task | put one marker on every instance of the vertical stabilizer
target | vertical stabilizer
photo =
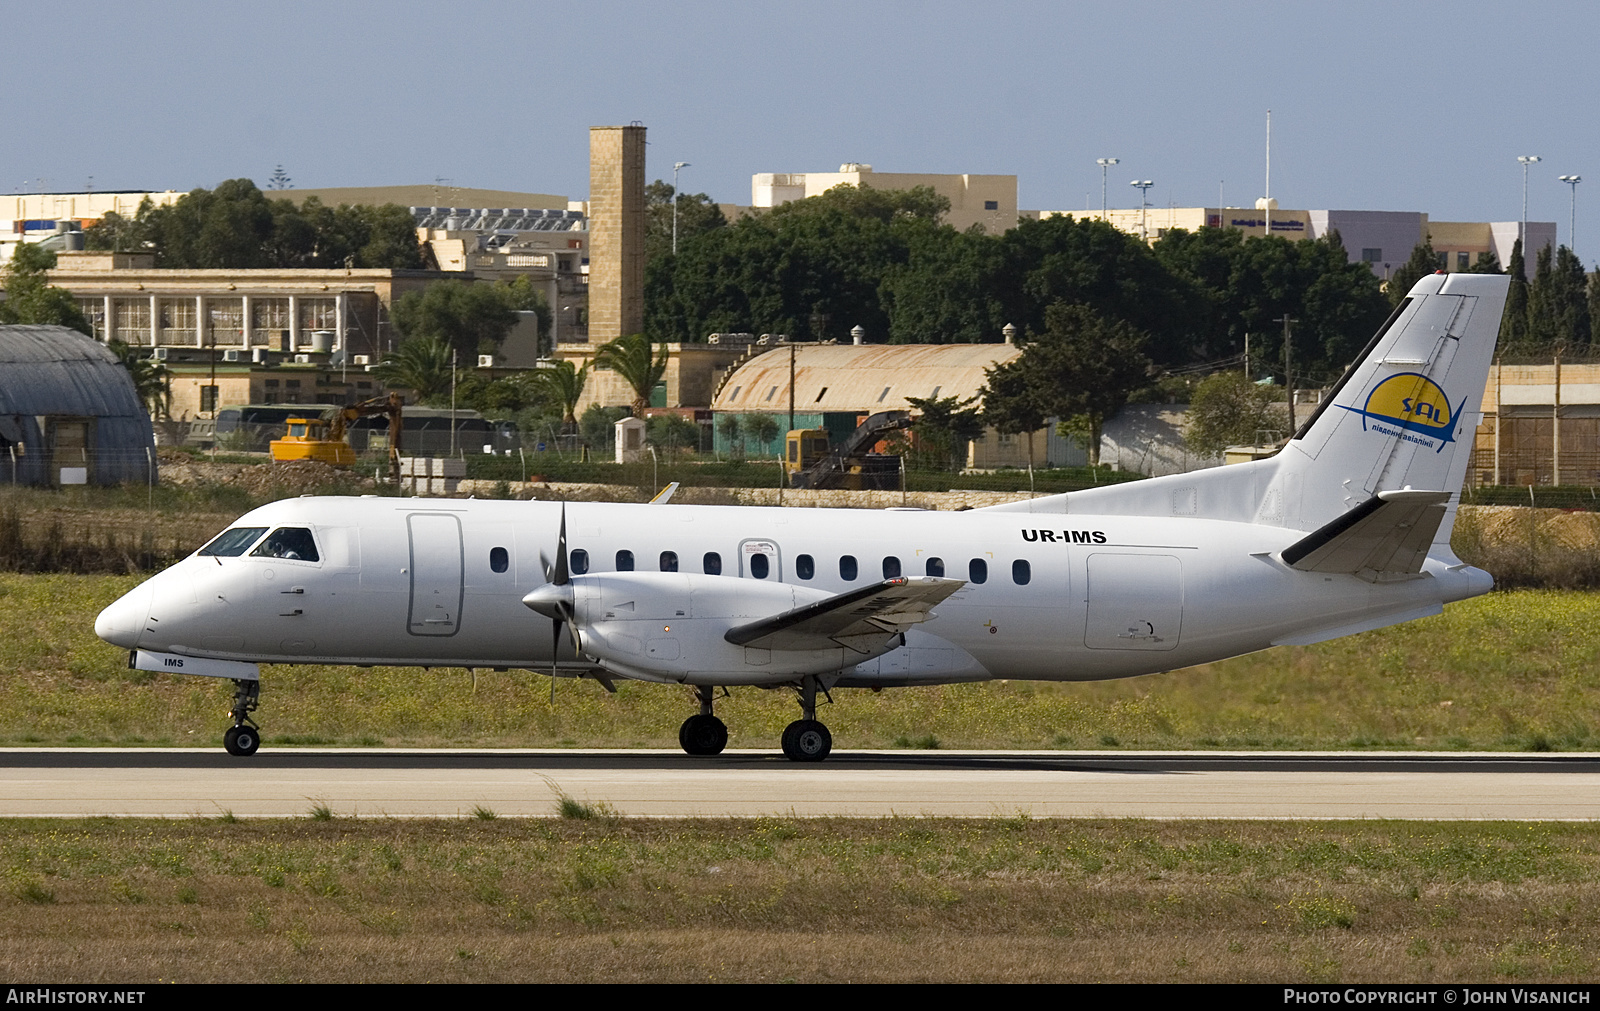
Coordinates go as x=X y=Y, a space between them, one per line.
x=1404 y=416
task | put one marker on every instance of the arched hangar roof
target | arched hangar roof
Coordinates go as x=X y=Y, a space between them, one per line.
x=859 y=377
x=49 y=372
x=55 y=370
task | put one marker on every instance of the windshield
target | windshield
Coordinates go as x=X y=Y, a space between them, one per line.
x=233 y=543
x=288 y=542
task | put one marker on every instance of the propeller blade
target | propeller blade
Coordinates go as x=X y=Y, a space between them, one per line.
x=561 y=575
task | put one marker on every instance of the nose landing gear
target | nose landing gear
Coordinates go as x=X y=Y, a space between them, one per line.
x=244 y=737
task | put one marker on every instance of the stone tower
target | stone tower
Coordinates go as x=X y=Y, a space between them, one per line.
x=616 y=232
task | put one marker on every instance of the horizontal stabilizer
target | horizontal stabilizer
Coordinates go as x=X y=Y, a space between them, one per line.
x=885 y=608
x=1388 y=533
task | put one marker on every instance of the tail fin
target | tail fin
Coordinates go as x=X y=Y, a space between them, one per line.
x=1404 y=416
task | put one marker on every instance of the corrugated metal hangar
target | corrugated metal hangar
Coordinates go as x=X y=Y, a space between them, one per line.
x=69 y=413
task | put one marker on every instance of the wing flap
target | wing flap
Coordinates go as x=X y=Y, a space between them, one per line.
x=1389 y=533
x=886 y=608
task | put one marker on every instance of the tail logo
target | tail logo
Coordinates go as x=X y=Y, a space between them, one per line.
x=1410 y=403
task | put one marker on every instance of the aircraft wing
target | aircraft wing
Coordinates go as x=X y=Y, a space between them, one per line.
x=885 y=608
x=1389 y=534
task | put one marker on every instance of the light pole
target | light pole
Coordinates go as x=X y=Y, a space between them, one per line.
x=1143 y=186
x=1526 y=160
x=1572 y=226
x=676 y=166
x=1104 y=164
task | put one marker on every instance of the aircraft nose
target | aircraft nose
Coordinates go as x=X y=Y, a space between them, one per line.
x=121 y=623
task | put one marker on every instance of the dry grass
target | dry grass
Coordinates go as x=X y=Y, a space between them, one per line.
x=614 y=900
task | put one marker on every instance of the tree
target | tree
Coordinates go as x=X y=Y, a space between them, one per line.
x=1558 y=300
x=563 y=384
x=812 y=267
x=1247 y=284
x=1229 y=409
x=944 y=427
x=521 y=296
x=762 y=429
x=152 y=380
x=31 y=298
x=472 y=318
x=1486 y=263
x=1514 y=323
x=636 y=360
x=673 y=433
x=419 y=364
x=1082 y=364
x=1423 y=261
x=1013 y=402
x=598 y=428
x=696 y=214
x=237 y=226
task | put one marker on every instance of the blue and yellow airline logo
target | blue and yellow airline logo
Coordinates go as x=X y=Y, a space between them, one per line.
x=1410 y=402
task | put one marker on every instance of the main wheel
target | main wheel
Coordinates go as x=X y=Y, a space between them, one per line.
x=241 y=741
x=703 y=734
x=806 y=741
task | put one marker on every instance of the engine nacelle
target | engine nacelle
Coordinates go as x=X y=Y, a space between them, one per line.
x=669 y=626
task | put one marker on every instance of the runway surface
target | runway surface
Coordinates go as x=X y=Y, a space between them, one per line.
x=172 y=783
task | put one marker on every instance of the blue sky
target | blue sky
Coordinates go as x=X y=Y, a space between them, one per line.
x=1419 y=106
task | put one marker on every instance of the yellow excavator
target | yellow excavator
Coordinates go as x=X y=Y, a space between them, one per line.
x=323 y=439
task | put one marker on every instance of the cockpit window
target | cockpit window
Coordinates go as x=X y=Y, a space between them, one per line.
x=233 y=543
x=288 y=542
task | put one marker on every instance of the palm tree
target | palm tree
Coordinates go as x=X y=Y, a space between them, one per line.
x=563 y=383
x=421 y=364
x=152 y=381
x=634 y=359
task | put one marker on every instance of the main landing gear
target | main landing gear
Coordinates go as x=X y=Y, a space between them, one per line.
x=244 y=737
x=703 y=733
x=804 y=740
x=807 y=739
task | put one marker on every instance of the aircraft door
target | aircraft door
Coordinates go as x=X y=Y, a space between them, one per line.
x=759 y=559
x=436 y=574
x=1135 y=602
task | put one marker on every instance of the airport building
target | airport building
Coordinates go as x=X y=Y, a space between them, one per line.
x=986 y=200
x=1381 y=239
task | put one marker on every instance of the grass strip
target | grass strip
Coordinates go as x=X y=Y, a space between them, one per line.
x=607 y=899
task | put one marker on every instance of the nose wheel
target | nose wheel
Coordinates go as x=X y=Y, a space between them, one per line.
x=244 y=737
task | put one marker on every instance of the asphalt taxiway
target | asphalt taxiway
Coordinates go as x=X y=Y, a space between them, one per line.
x=174 y=783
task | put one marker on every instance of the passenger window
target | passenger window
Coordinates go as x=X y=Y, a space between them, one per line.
x=579 y=562
x=935 y=567
x=712 y=563
x=847 y=567
x=805 y=566
x=499 y=559
x=758 y=565
x=1021 y=572
x=233 y=543
x=977 y=571
x=891 y=567
x=292 y=543
x=624 y=560
x=669 y=561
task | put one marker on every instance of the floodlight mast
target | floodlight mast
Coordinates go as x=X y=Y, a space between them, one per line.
x=1143 y=186
x=1104 y=164
x=677 y=166
x=1522 y=233
x=1572 y=225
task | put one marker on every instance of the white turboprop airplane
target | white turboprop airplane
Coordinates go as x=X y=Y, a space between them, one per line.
x=1346 y=529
